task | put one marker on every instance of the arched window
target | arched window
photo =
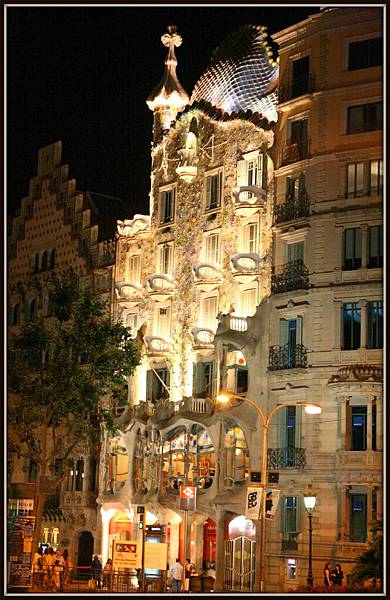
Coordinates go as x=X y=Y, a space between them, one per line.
x=16 y=315
x=79 y=475
x=33 y=309
x=53 y=259
x=44 y=261
x=92 y=474
x=71 y=477
x=236 y=456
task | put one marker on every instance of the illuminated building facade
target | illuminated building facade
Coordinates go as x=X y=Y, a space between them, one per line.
x=259 y=271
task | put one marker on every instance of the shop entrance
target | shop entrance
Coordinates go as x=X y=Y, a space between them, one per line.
x=85 y=551
x=240 y=555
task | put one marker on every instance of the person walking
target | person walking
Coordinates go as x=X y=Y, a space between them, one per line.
x=37 y=568
x=107 y=574
x=327 y=578
x=96 y=571
x=188 y=569
x=337 y=575
x=177 y=571
x=48 y=561
x=67 y=567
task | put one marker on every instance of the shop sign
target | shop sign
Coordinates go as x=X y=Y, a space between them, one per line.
x=253 y=502
x=187 y=497
x=271 y=503
x=156 y=555
x=126 y=556
x=20 y=536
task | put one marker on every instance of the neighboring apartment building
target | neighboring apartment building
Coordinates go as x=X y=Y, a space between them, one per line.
x=58 y=228
x=259 y=270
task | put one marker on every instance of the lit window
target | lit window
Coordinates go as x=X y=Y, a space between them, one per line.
x=352 y=249
x=291 y=568
x=355 y=180
x=375 y=247
x=132 y=322
x=209 y=309
x=251 y=238
x=135 y=269
x=165 y=259
x=163 y=325
x=212 y=248
x=376 y=177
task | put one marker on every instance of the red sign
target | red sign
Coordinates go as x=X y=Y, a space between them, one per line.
x=187 y=497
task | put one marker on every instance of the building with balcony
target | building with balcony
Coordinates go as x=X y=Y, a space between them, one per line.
x=260 y=273
x=57 y=228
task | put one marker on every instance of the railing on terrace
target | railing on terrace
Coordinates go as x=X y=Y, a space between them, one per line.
x=238 y=323
x=294 y=151
x=297 y=87
x=291 y=276
x=287 y=357
x=286 y=458
x=292 y=208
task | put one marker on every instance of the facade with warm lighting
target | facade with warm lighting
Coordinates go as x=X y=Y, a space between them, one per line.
x=259 y=271
x=58 y=228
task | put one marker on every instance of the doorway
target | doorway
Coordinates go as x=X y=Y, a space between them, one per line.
x=85 y=553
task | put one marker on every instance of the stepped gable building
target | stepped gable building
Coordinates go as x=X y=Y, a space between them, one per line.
x=258 y=271
x=57 y=228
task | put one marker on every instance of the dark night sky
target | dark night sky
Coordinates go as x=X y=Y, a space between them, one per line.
x=82 y=75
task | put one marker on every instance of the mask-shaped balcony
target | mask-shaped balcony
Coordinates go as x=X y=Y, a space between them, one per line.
x=203 y=337
x=130 y=227
x=160 y=286
x=195 y=407
x=158 y=346
x=126 y=290
x=207 y=275
x=248 y=199
x=246 y=266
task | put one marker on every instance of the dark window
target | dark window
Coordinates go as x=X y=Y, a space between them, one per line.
x=16 y=315
x=364 y=117
x=375 y=247
x=300 y=76
x=376 y=177
x=44 y=261
x=290 y=426
x=79 y=475
x=71 y=477
x=352 y=249
x=36 y=263
x=295 y=186
x=299 y=132
x=167 y=206
x=358 y=427
x=33 y=309
x=366 y=53
x=290 y=514
x=92 y=474
x=53 y=259
x=32 y=470
x=242 y=381
x=358 y=517
x=375 y=324
x=213 y=191
x=374 y=505
x=351 y=326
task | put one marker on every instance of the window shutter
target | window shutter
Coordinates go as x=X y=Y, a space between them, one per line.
x=208 y=191
x=282 y=514
x=214 y=379
x=195 y=388
x=259 y=174
x=300 y=511
x=301 y=183
x=299 y=330
x=219 y=195
x=281 y=431
x=283 y=332
x=289 y=186
x=263 y=179
x=242 y=173
x=149 y=385
x=298 y=426
x=358 y=243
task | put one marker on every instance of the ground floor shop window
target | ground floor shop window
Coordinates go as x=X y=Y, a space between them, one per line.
x=291 y=568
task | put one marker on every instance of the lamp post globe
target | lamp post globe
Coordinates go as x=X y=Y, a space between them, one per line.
x=309 y=500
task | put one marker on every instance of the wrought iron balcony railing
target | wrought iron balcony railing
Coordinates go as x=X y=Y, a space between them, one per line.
x=292 y=208
x=291 y=276
x=296 y=88
x=286 y=458
x=287 y=357
x=294 y=151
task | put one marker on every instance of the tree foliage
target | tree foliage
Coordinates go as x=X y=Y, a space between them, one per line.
x=369 y=565
x=64 y=372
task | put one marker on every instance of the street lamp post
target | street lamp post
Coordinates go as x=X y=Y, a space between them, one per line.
x=310 y=408
x=310 y=503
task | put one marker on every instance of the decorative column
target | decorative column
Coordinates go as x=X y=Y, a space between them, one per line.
x=220 y=551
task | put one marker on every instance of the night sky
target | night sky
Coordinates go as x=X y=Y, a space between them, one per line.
x=82 y=75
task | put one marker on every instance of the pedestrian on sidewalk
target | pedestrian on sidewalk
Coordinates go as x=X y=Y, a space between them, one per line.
x=176 y=572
